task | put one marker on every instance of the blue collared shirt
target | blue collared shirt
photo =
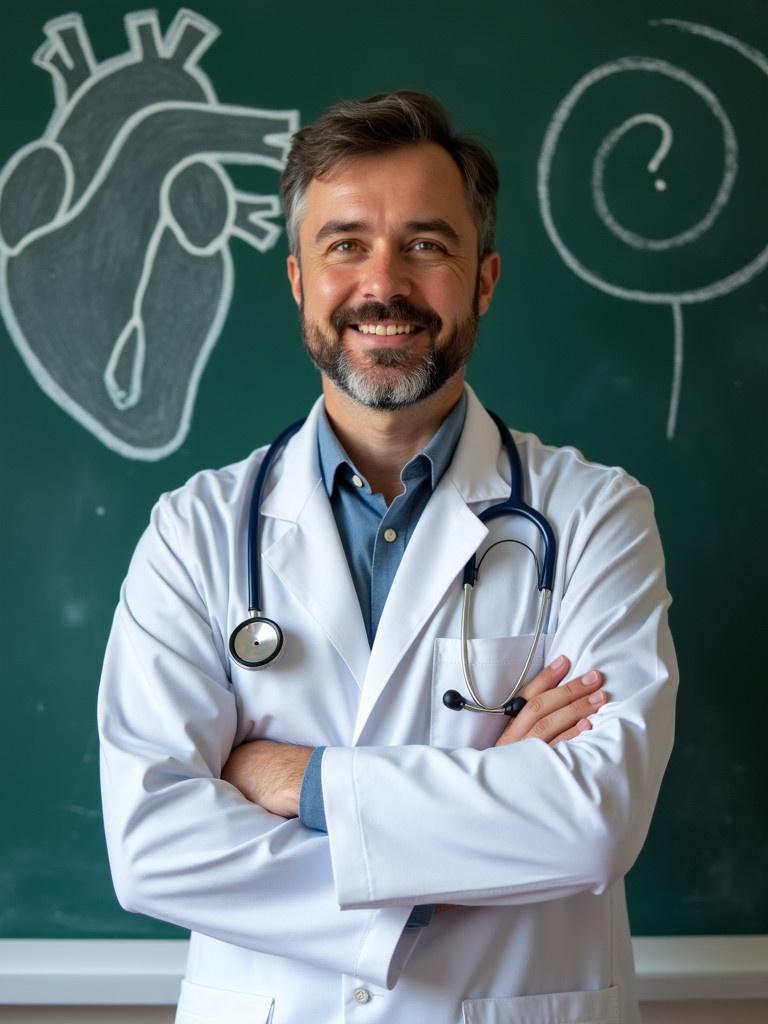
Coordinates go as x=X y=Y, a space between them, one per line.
x=374 y=537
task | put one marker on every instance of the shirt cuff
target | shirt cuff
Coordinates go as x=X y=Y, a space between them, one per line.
x=420 y=916
x=311 y=805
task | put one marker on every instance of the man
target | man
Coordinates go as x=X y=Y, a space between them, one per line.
x=518 y=830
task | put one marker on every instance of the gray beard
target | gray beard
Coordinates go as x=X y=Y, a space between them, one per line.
x=419 y=375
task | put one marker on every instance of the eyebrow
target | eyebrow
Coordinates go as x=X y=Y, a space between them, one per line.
x=340 y=227
x=438 y=226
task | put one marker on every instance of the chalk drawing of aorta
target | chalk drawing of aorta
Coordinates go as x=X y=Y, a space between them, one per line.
x=603 y=277
x=115 y=269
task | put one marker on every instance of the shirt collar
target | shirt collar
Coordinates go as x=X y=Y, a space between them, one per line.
x=438 y=451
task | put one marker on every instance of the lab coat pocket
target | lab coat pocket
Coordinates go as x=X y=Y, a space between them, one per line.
x=199 y=1004
x=599 y=1007
x=495 y=664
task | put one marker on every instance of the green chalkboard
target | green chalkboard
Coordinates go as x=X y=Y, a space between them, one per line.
x=632 y=322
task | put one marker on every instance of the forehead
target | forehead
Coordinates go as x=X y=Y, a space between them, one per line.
x=411 y=183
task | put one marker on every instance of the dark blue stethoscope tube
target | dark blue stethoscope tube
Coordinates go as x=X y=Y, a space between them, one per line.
x=515 y=505
x=254 y=555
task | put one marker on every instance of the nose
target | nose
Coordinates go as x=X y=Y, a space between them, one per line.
x=385 y=276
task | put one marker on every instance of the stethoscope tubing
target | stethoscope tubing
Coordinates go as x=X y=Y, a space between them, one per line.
x=254 y=555
x=497 y=709
x=266 y=635
x=257 y=641
x=514 y=505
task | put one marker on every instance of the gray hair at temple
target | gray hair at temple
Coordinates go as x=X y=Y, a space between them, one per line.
x=387 y=121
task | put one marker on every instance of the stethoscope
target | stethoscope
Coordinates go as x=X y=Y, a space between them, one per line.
x=257 y=641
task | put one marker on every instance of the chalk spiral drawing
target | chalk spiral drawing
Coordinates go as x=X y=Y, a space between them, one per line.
x=676 y=300
x=115 y=270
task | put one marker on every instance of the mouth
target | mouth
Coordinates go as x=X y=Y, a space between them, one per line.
x=387 y=330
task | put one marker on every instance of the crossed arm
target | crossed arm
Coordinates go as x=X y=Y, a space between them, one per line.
x=270 y=774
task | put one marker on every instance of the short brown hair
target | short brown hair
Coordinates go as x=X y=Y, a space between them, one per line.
x=381 y=122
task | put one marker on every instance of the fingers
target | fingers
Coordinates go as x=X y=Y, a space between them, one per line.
x=561 y=710
x=578 y=690
x=581 y=726
x=548 y=678
x=554 y=712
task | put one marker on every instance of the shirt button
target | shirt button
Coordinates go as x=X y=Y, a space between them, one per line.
x=390 y=535
x=362 y=996
x=357 y=481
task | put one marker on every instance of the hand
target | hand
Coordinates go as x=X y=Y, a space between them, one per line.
x=269 y=774
x=555 y=713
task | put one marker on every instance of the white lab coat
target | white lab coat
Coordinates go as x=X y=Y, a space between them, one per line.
x=530 y=842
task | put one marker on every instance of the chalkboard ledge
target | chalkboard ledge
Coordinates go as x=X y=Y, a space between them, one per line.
x=81 y=972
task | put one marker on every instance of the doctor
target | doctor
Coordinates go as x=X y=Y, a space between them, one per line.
x=306 y=819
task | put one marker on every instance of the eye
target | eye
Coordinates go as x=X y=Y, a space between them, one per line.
x=427 y=245
x=344 y=246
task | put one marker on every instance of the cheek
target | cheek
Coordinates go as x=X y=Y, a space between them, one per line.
x=325 y=294
x=449 y=294
x=452 y=279
x=332 y=287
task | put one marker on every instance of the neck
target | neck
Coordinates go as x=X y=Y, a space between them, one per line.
x=381 y=441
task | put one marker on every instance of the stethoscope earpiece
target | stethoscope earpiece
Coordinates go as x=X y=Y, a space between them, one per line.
x=453 y=700
x=256 y=642
x=513 y=707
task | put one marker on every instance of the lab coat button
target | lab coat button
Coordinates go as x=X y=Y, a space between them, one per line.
x=362 y=996
x=390 y=535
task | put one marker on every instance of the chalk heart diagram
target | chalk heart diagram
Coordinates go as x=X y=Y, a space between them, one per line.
x=115 y=269
x=686 y=264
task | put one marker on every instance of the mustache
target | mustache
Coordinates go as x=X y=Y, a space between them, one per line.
x=375 y=312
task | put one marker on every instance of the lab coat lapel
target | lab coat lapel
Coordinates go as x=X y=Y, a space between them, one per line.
x=445 y=537
x=308 y=556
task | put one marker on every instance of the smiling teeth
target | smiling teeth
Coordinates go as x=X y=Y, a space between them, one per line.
x=388 y=329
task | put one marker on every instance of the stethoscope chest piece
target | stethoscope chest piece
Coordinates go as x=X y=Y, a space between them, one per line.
x=256 y=642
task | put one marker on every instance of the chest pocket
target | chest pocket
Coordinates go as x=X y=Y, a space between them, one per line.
x=199 y=1004
x=599 y=1007
x=495 y=664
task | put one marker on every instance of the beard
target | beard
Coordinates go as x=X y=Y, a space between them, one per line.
x=390 y=378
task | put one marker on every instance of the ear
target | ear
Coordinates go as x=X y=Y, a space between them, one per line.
x=490 y=270
x=294 y=276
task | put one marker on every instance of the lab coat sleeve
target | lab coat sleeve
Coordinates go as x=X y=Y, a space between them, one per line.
x=528 y=822
x=185 y=846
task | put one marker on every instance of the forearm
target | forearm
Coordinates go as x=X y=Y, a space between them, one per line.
x=269 y=774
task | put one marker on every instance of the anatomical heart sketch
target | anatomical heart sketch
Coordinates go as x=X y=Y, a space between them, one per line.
x=115 y=269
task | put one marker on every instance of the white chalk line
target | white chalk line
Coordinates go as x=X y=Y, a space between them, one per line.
x=121 y=397
x=722 y=196
x=546 y=157
x=677 y=370
x=676 y=300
